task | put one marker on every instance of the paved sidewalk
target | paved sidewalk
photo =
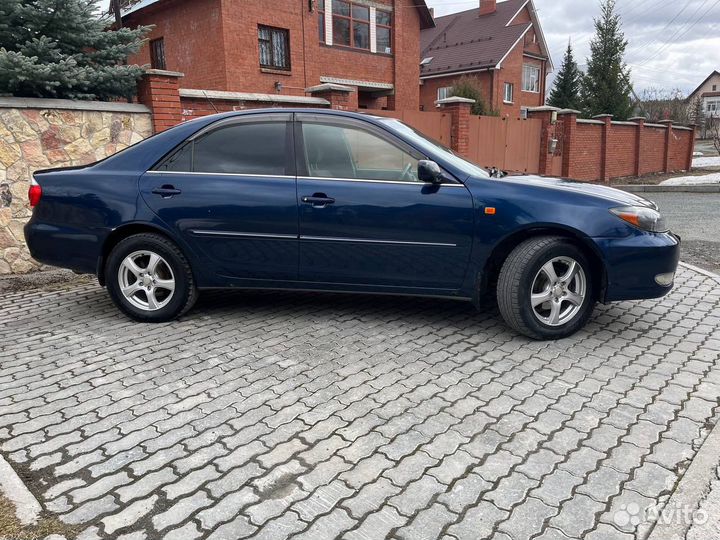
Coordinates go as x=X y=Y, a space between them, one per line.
x=277 y=415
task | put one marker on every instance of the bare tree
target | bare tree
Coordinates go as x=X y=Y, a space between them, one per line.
x=715 y=132
x=661 y=104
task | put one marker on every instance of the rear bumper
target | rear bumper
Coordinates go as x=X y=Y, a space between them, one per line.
x=65 y=247
x=633 y=263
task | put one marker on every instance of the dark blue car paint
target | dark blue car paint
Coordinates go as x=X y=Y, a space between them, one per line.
x=406 y=238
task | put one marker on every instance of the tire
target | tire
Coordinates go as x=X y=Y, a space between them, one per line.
x=527 y=271
x=171 y=284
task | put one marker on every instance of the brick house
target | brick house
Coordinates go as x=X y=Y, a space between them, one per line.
x=501 y=44
x=288 y=51
x=708 y=92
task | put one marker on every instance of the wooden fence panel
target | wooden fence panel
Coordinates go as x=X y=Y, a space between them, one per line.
x=522 y=149
x=510 y=144
x=487 y=140
x=436 y=125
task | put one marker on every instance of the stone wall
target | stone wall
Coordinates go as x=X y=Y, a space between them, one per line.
x=43 y=133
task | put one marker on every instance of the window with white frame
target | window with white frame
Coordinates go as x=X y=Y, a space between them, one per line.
x=355 y=24
x=531 y=78
x=712 y=108
x=444 y=92
x=509 y=91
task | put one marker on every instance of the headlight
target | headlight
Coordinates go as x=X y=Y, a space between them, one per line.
x=642 y=217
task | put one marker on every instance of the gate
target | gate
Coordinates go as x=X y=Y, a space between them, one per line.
x=510 y=144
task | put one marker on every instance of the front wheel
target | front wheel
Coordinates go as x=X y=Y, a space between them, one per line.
x=150 y=279
x=545 y=288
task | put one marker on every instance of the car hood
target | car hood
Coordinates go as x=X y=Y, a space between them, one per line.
x=619 y=197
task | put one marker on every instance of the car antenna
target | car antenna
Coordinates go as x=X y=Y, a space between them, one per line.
x=210 y=101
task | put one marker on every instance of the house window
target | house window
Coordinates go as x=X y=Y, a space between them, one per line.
x=444 y=92
x=712 y=108
x=383 y=31
x=351 y=24
x=354 y=24
x=274 y=47
x=714 y=88
x=531 y=78
x=321 y=20
x=157 y=54
x=508 y=94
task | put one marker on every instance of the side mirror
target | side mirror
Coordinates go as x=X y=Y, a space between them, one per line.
x=429 y=172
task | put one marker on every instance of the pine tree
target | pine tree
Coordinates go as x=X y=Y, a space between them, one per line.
x=566 y=89
x=606 y=87
x=64 y=49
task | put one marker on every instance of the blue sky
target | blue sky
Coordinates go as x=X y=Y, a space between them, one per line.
x=673 y=43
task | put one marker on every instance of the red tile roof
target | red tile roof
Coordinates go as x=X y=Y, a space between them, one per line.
x=466 y=41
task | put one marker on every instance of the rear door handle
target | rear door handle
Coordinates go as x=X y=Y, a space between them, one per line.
x=166 y=191
x=319 y=200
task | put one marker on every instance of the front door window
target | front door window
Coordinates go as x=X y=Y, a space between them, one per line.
x=349 y=152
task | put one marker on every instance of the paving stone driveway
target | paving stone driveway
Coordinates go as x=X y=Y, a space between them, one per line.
x=274 y=415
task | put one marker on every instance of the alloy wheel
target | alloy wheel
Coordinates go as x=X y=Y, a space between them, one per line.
x=558 y=291
x=146 y=280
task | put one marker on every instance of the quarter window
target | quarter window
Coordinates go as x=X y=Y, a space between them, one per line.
x=274 y=44
x=508 y=94
x=258 y=148
x=531 y=78
x=348 y=152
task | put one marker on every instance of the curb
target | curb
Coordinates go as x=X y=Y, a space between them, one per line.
x=651 y=188
x=692 y=488
x=27 y=508
x=694 y=485
x=702 y=271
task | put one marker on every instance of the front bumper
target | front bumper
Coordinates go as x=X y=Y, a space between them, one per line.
x=633 y=263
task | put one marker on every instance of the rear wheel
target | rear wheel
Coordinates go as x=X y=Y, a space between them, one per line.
x=545 y=288
x=149 y=278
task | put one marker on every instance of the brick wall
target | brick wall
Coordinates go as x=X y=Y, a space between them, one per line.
x=601 y=150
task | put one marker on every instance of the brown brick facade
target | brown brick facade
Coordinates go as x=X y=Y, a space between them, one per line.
x=215 y=44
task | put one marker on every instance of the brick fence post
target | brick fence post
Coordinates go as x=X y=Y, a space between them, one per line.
x=459 y=109
x=604 y=154
x=341 y=97
x=691 y=147
x=548 y=116
x=668 y=142
x=569 y=119
x=639 y=139
x=159 y=91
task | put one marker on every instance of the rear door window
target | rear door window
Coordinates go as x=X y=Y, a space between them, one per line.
x=247 y=148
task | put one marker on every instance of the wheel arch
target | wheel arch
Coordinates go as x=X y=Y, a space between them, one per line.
x=491 y=270
x=125 y=231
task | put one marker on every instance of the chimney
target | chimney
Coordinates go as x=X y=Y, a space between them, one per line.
x=487 y=7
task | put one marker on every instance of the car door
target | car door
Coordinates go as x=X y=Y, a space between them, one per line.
x=366 y=219
x=230 y=193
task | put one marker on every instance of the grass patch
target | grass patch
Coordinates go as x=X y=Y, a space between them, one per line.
x=10 y=526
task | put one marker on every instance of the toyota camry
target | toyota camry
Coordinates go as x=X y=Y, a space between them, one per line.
x=326 y=200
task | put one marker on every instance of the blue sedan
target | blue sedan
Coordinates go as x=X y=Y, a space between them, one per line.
x=334 y=201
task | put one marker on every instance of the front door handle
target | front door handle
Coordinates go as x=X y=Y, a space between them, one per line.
x=318 y=200
x=166 y=191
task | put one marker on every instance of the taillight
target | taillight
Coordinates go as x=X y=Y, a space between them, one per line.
x=34 y=193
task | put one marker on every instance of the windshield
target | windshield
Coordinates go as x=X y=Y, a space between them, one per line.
x=436 y=147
